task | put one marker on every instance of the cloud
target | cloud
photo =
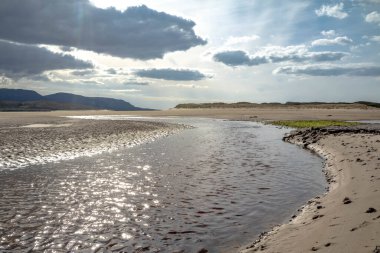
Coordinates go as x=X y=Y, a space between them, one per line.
x=375 y=38
x=275 y=54
x=329 y=42
x=111 y=71
x=373 y=17
x=328 y=33
x=302 y=54
x=40 y=77
x=18 y=60
x=335 y=11
x=243 y=39
x=85 y=72
x=171 y=74
x=185 y=86
x=136 y=83
x=330 y=70
x=5 y=81
x=126 y=91
x=138 y=32
x=238 y=58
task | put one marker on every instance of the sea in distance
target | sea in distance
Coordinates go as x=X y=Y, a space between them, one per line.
x=216 y=186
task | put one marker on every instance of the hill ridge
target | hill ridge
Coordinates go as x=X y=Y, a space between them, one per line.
x=29 y=100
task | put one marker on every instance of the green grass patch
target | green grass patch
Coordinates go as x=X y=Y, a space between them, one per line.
x=312 y=123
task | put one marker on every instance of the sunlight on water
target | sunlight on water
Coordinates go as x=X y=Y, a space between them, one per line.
x=215 y=186
x=111 y=144
x=119 y=117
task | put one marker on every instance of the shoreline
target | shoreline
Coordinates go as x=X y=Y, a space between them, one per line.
x=346 y=218
x=244 y=114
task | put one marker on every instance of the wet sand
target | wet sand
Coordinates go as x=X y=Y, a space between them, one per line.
x=35 y=140
x=347 y=218
x=252 y=114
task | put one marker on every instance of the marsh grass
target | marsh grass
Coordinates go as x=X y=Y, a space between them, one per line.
x=312 y=123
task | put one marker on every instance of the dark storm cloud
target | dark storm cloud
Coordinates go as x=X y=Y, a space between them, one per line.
x=18 y=60
x=138 y=32
x=330 y=70
x=171 y=74
x=275 y=55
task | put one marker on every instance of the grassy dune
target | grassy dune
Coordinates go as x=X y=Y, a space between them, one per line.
x=320 y=105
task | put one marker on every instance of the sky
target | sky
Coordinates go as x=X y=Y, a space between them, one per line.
x=157 y=54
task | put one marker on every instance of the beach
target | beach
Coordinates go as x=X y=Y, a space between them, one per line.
x=345 y=219
x=251 y=114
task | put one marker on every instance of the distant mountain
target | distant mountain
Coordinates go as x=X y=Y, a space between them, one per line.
x=19 y=95
x=95 y=102
x=39 y=105
x=28 y=100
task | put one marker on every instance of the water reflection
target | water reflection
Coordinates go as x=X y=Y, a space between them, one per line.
x=213 y=187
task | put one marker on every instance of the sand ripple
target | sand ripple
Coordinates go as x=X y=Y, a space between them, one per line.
x=41 y=143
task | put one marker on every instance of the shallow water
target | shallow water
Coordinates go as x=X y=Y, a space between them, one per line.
x=216 y=187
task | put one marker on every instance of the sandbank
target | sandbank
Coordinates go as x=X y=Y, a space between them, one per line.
x=36 y=140
x=253 y=114
x=347 y=217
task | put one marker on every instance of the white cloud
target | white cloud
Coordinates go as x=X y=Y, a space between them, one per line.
x=243 y=39
x=328 y=42
x=335 y=11
x=275 y=54
x=5 y=81
x=185 y=86
x=330 y=70
x=373 y=17
x=328 y=33
x=375 y=38
x=126 y=91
